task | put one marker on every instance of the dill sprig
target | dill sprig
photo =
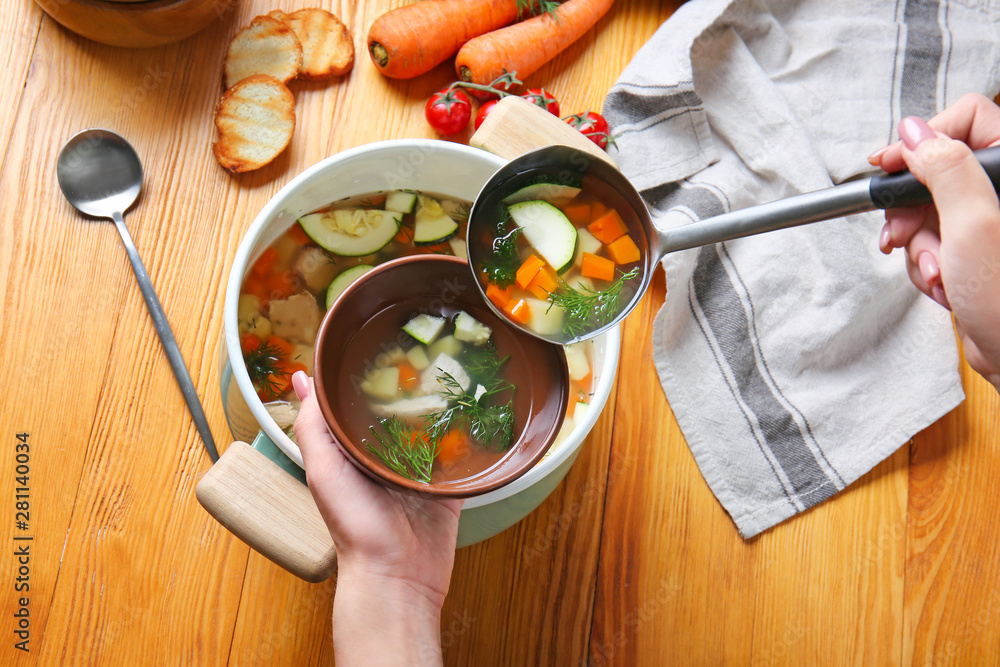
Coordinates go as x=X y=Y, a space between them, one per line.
x=586 y=309
x=537 y=8
x=487 y=419
x=264 y=367
x=501 y=267
x=403 y=450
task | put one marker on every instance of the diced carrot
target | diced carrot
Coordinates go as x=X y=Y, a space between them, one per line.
x=453 y=448
x=409 y=376
x=544 y=283
x=594 y=266
x=283 y=347
x=597 y=209
x=623 y=250
x=249 y=342
x=404 y=235
x=283 y=285
x=579 y=214
x=608 y=227
x=500 y=296
x=437 y=249
x=299 y=235
x=519 y=311
x=584 y=383
x=264 y=263
x=527 y=270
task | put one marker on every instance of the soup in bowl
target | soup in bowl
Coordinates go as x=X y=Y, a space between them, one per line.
x=425 y=388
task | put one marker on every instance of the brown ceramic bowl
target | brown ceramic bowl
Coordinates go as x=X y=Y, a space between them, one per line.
x=373 y=309
x=136 y=23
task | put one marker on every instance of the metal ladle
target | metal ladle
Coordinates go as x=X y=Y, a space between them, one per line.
x=565 y=164
x=100 y=174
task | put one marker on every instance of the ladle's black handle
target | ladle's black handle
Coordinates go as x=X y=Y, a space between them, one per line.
x=903 y=189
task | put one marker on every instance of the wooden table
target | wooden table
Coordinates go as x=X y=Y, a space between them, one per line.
x=630 y=562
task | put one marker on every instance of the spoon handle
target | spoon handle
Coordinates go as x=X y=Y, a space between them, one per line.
x=167 y=339
x=881 y=191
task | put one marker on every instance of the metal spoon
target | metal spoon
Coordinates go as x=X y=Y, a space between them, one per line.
x=101 y=176
x=565 y=164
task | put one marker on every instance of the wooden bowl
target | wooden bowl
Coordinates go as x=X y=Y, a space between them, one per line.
x=134 y=23
x=382 y=301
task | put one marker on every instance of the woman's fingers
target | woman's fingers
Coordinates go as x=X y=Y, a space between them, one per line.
x=973 y=119
x=902 y=223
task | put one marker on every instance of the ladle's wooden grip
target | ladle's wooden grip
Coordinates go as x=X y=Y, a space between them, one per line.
x=516 y=126
x=269 y=510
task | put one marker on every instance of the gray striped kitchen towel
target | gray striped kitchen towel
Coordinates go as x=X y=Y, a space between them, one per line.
x=794 y=361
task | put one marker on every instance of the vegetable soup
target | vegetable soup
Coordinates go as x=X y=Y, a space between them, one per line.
x=292 y=283
x=561 y=259
x=427 y=394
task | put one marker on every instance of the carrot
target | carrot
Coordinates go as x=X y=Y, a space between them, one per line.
x=404 y=235
x=527 y=271
x=453 y=448
x=524 y=47
x=265 y=263
x=409 y=376
x=594 y=266
x=543 y=284
x=299 y=235
x=500 y=296
x=597 y=209
x=578 y=214
x=624 y=250
x=519 y=311
x=608 y=227
x=410 y=40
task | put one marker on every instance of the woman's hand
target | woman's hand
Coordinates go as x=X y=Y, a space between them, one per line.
x=953 y=246
x=395 y=551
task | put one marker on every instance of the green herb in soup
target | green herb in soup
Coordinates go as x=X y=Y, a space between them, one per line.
x=561 y=261
x=299 y=275
x=440 y=407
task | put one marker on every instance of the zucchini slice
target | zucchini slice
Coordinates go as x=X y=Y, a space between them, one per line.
x=548 y=230
x=401 y=201
x=425 y=328
x=431 y=224
x=549 y=192
x=352 y=232
x=341 y=282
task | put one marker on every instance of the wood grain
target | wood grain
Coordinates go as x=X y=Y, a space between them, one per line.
x=631 y=561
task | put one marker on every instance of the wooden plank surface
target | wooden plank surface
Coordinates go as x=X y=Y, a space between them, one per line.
x=631 y=561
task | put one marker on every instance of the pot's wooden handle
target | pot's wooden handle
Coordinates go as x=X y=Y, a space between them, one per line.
x=516 y=126
x=269 y=510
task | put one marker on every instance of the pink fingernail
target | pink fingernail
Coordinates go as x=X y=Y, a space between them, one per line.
x=300 y=383
x=914 y=131
x=875 y=159
x=937 y=292
x=885 y=239
x=929 y=268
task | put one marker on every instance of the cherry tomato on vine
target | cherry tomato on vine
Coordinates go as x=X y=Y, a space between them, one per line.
x=484 y=111
x=592 y=125
x=448 y=111
x=542 y=98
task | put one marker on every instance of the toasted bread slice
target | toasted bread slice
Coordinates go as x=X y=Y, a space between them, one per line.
x=327 y=46
x=277 y=14
x=265 y=46
x=255 y=119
